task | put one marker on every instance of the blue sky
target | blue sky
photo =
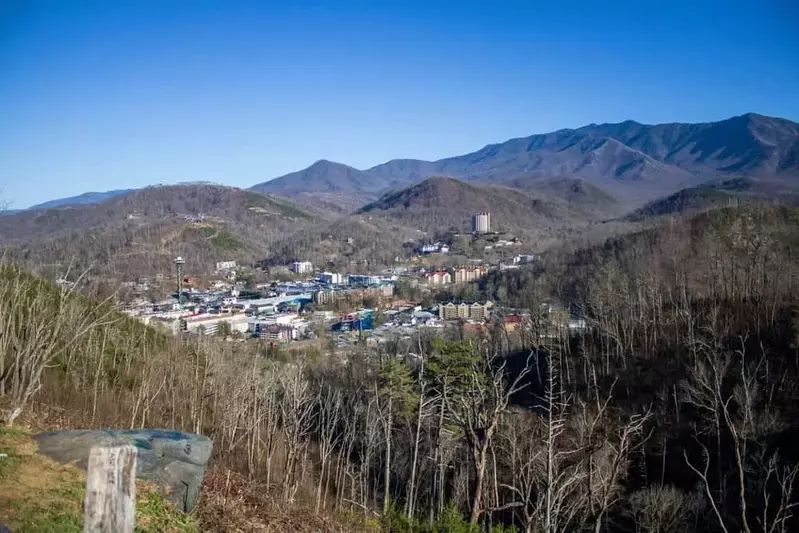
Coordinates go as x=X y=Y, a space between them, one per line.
x=98 y=95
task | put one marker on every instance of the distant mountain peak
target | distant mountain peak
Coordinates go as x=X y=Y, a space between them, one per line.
x=325 y=176
x=327 y=163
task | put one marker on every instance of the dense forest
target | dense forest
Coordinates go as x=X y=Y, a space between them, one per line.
x=140 y=233
x=675 y=410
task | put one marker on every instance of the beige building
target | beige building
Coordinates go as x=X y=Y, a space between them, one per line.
x=469 y=274
x=464 y=311
x=438 y=278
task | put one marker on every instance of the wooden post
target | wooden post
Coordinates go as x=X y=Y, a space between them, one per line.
x=110 y=503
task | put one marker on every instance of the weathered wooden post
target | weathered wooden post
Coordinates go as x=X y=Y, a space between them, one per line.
x=110 y=503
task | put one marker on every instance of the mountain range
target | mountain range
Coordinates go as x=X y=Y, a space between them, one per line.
x=636 y=162
x=629 y=161
x=81 y=199
x=543 y=188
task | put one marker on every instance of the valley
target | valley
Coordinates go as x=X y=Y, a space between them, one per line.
x=359 y=344
x=545 y=189
x=399 y=267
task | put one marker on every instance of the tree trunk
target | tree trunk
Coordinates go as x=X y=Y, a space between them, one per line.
x=409 y=506
x=480 y=464
x=387 y=470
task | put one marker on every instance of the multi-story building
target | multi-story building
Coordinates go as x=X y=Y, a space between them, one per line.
x=481 y=223
x=332 y=278
x=332 y=294
x=329 y=295
x=364 y=279
x=478 y=311
x=209 y=324
x=464 y=311
x=468 y=274
x=381 y=290
x=302 y=267
x=453 y=311
x=438 y=278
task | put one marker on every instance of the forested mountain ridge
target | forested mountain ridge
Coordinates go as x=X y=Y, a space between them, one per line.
x=85 y=198
x=640 y=162
x=692 y=199
x=545 y=187
x=698 y=246
x=439 y=208
x=577 y=193
x=343 y=186
x=628 y=158
x=439 y=203
x=139 y=233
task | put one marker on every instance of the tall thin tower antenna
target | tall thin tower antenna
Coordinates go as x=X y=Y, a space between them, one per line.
x=179 y=262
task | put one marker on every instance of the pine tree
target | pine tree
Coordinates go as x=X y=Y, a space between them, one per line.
x=396 y=397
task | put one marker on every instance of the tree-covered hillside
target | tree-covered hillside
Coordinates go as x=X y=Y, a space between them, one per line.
x=674 y=409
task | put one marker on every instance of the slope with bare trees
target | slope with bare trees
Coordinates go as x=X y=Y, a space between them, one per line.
x=141 y=232
x=674 y=410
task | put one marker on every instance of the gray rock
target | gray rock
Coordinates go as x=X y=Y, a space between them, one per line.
x=172 y=460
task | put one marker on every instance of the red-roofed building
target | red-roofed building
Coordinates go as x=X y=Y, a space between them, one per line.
x=511 y=322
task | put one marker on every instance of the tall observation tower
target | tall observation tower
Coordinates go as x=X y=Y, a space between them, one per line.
x=179 y=262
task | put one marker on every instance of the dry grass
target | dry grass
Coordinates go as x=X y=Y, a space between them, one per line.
x=38 y=495
x=231 y=503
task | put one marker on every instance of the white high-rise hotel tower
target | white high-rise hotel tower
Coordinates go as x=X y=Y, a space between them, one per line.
x=481 y=223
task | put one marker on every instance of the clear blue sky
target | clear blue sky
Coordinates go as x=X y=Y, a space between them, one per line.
x=115 y=93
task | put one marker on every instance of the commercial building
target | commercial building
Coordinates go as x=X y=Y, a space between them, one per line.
x=332 y=294
x=205 y=324
x=364 y=279
x=225 y=265
x=302 y=267
x=282 y=326
x=481 y=223
x=332 y=278
x=435 y=248
x=511 y=322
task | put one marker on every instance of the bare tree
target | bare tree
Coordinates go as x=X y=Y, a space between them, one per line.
x=296 y=408
x=39 y=323
x=778 y=509
x=609 y=445
x=663 y=509
x=477 y=406
x=546 y=463
x=609 y=464
x=423 y=410
x=703 y=389
x=328 y=403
